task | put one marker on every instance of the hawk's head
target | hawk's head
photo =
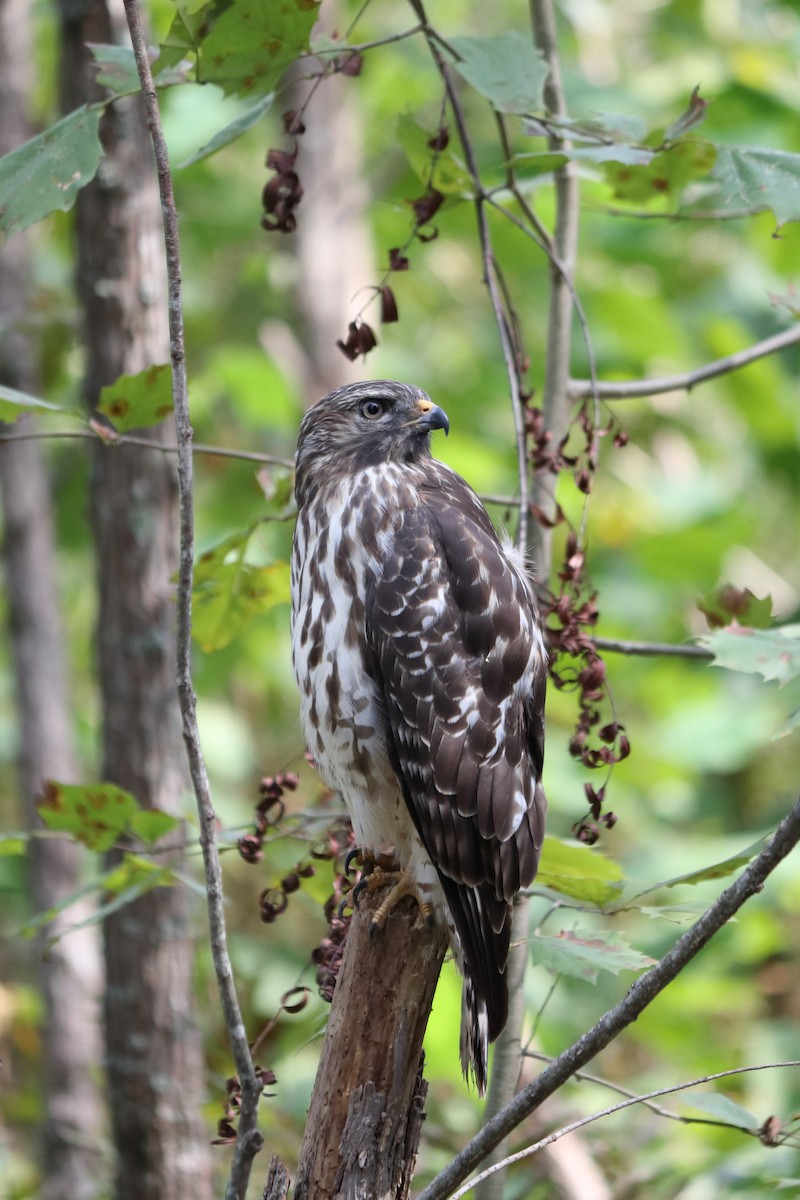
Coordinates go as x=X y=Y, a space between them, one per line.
x=361 y=425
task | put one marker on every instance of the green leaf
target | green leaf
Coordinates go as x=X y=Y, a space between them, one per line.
x=718 y=870
x=757 y=178
x=229 y=591
x=721 y=1108
x=628 y=127
x=506 y=69
x=771 y=653
x=728 y=603
x=618 y=152
x=666 y=176
x=189 y=26
x=116 y=69
x=149 y=824
x=135 y=872
x=252 y=44
x=134 y=401
x=144 y=883
x=15 y=404
x=576 y=870
x=128 y=880
x=95 y=815
x=583 y=953
x=676 y=914
x=46 y=173
x=448 y=175
x=41 y=919
x=232 y=131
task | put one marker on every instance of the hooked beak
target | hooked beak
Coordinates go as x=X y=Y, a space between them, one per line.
x=431 y=417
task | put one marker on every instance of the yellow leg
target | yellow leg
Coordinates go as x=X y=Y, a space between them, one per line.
x=402 y=885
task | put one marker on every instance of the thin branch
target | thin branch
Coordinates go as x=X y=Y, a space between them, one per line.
x=647 y=1101
x=614 y=1108
x=125 y=439
x=646 y=988
x=652 y=649
x=502 y=319
x=555 y=398
x=360 y=47
x=636 y=388
x=249 y=1139
x=540 y=237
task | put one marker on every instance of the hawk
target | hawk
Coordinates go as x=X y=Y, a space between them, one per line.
x=419 y=654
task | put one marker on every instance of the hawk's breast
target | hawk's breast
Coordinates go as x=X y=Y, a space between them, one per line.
x=341 y=539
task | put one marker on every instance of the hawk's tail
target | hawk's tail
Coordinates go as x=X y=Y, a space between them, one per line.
x=474 y=1036
x=482 y=929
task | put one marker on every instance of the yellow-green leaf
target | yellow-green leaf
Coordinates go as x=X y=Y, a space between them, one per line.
x=576 y=870
x=95 y=814
x=229 y=591
x=15 y=404
x=149 y=824
x=135 y=401
x=448 y=175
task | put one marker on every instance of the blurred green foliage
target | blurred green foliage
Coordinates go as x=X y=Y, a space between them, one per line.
x=705 y=493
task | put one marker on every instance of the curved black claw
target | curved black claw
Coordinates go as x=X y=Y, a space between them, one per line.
x=343 y=904
x=349 y=858
x=374 y=929
x=357 y=890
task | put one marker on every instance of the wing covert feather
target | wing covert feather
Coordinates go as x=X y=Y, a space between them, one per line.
x=457 y=641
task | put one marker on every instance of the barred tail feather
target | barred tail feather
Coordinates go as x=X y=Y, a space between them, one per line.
x=474 y=1037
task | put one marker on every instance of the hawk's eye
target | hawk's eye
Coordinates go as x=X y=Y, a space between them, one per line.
x=373 y=408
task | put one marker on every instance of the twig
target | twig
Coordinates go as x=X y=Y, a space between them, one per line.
x=249 y=1139
x=125 y=439
x=652 y=649
x=635 y=388
x=556 y=399
x=614 y=1108
x=612 y=1023
x=647 y=1101
x=502 y=319
x=360 y=47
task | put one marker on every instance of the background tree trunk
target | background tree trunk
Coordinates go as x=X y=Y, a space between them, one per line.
x=153 y=1050
x=70 y=970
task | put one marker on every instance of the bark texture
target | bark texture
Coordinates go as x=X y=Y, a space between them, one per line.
x=153 y=1054
x=366 y=1111
x=69 y=972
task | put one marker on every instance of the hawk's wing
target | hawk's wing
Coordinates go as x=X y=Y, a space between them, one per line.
x=461 y=662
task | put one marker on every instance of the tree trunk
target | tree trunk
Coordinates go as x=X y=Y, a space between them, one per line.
x=153 y=1052
x=69 y=971
x=366 y=1111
